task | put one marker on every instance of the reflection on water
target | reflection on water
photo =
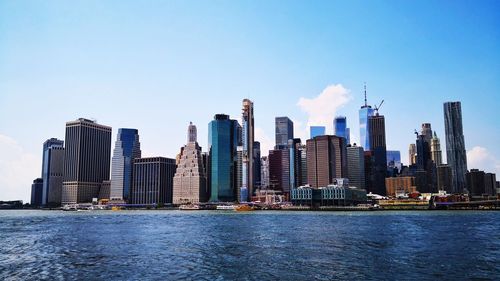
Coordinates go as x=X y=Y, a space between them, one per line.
x=210 y=245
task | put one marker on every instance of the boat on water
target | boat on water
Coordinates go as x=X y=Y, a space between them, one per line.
x=190 y=207
x=69 y=208
x=225 y=207
x=244 y=208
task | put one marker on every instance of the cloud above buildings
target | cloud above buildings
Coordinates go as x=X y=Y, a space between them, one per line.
x=18 y=169
x=480 y=158
x=322 y=109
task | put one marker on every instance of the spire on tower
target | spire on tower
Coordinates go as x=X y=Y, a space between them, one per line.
x=366 y=104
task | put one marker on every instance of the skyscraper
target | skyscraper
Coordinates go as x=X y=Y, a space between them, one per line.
x=436 y=150
x=316 y=131
x=256 y=164
x=444 y=178
x=37 y=192
x=340 y=128
x=127 y=148
x=152 y=180
x=455 y=144
x=365 y=113
x=394 y=159
x=86 y=160
x=376 y=124
x=190 y=179
x=223 y=141
x=279 y=170
x=356 y=166
x=264 y=167
x=326 y=160
x=52 y=172
x=412 y=153
x=248 y=155
x=284 y=130
x=427 y=132
x=295 y=153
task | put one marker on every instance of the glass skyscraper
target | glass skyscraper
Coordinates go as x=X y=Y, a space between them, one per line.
x=365 y=113
x=284 y=130
x=223 y=141
x=455 y=144
x=340 y=128
x=247 y=119
x=127 y=148
x=52 y=171
x=316 y=131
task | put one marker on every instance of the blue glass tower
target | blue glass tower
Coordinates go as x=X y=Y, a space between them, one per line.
x=223 y=141
x=340 y=128
x=52 y=171
x=127 y=148
x=317 y=131
x=365 y=113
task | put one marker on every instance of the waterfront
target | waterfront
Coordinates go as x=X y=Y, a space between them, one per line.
x=218 y=245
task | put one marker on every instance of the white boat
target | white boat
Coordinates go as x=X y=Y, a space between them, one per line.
x=189 y=207
x=226 y=207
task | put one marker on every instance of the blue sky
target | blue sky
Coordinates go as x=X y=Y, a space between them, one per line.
x=156 y=65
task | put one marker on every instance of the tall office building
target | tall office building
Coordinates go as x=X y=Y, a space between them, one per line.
x=356 y=166
x=36 y=192
x=365 y=112
x=376 y=124
x=436 y=150
x=340 y=128
x=284 y=130
x=326 y=160
x=295 y=154
x=423 y=152
x=152 y=180
x=190 y=179
x=127 y=148
x=256 y=163
x=303 y=168
x=248 y=125
x=475 y=182
x=455 y=144
x=279 y=170
x=412 y=154
x=426 y=131
x=223 y=142
x=86 y=160
x=490 y=180
x=52 y=172
x=264 y=167
x=316 y=131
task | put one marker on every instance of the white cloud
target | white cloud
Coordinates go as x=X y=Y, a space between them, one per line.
x=322 y=109
x=480 y=158
x=18 y=169
x=266 y=143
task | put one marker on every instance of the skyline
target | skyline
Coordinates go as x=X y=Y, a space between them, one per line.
x=133 y=66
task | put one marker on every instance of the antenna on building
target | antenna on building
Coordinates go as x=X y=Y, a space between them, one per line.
x=366 y=104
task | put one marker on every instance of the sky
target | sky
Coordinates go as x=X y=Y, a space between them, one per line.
x=157 y=65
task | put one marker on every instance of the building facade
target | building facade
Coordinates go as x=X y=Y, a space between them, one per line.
x=52 y=172
x=190 y=180
x=356 y=166
x=376 y=124
x=444 y=178
x=340 y=128
x=283 y=130
x=152 y=181
x=279 y=170
x=436 y=154
x=37 y=192
x=248 y=133
x=326 y=160
x=455 y=144
x=127 y=148
x=412 y=154
x=87 y=158
x=399 y=185
x=223 y=141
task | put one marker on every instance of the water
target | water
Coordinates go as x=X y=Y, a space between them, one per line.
x=210 y=245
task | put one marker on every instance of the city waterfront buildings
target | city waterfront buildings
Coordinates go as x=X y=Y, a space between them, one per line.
x=127 y=148
x=455 y=144
x=190 y=180
x=152 y=181
x=87 y=158
x=326 y=160
x=52 y=172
